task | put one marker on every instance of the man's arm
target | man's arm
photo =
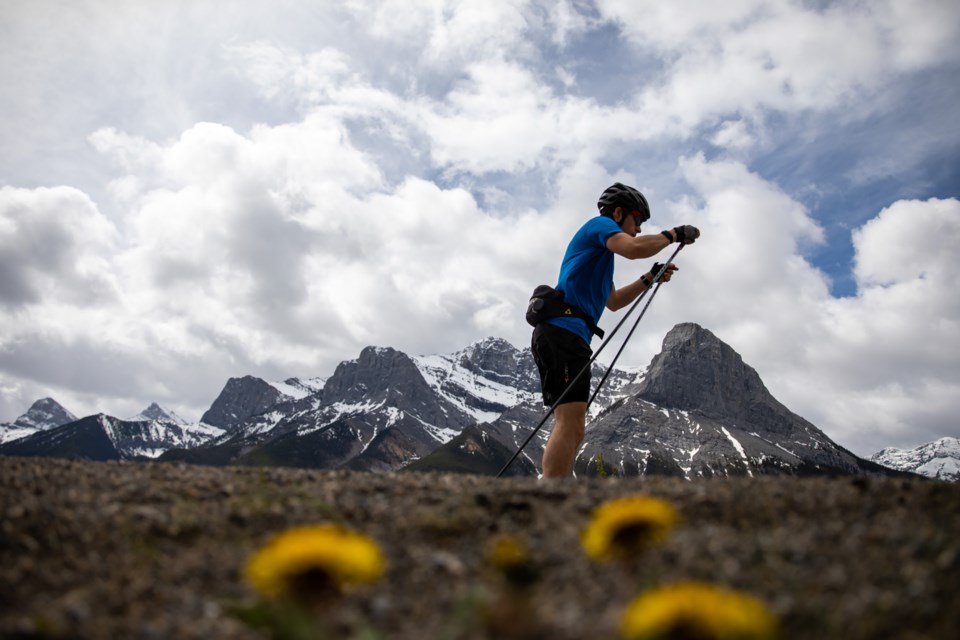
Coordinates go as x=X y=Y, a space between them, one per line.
x=635 y=247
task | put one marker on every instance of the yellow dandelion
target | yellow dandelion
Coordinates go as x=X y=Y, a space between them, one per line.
x=506 y=551
x=508 y=554
x=697 y=611
x=313 y=561
x=627 y=526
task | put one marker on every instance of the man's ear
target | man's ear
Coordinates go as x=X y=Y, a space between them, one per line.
x=618 y=215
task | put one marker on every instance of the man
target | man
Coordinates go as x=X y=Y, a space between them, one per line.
x=561 y=345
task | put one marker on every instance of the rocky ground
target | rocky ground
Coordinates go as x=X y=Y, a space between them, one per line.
x=136 y=550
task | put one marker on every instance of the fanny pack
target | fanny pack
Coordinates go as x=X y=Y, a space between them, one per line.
x=547 y=302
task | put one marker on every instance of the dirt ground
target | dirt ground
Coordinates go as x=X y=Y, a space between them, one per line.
x=152 y=550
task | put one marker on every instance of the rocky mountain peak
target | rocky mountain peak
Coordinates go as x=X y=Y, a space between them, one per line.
x=697 y=371
x=492 y=345
x=45 y=413
x=158 y=413
x=376 y=368
x=240 y=399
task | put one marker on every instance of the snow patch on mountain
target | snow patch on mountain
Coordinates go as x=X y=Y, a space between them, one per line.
x=478 y=396
x=150 y=438
x=299 y=388
x=10 y=432
x=939 y=459
x=43 y=415
x=156 y=412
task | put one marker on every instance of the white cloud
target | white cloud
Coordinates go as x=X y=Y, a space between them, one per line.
x=502 y=120
x=53 y=244
x=751 y=55
x=451 y=33
x=909 y=240
x=284 y=74
x=282 y=250
x=734 y=135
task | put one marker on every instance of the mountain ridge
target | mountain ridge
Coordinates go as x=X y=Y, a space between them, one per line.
x=939 y=459
x=697 y=410
x=45 y=413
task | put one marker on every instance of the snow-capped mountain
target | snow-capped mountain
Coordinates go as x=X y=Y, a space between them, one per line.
x=102 y=437
x=483 y=380
x=377 y=412
x=240 y=399
x=939 y=459
x=43 y=414
x=299 y=388
x=697 y=410
x=158 y=413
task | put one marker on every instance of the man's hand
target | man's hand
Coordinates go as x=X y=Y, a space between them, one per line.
x=685 y=234
x=666 y=274
x=647 y=278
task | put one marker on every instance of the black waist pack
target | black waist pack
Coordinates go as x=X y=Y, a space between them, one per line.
x=547 y=302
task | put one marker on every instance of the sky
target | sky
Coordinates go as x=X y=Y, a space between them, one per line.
x=197 y=190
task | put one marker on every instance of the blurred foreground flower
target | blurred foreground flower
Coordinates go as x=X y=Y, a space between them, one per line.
x=508 y=555
x=697 y=611
x=509 y=614
x=627 y=526
x=314 y=561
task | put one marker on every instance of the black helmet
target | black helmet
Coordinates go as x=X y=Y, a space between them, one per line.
x=620 y=195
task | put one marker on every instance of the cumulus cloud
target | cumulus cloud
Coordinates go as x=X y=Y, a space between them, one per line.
x=891 y=348
x=52 y=245
x=887 y=254
x=752 y=55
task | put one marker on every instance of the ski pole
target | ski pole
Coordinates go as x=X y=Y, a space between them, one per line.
x=590 y=363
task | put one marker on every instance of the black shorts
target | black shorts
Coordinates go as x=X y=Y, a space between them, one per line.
x=560 y=355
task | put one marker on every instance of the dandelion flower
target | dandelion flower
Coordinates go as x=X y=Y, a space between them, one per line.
x=627 y=526
x=509 y=555
x=506 y=551
x=697 y=611
x=314 y=560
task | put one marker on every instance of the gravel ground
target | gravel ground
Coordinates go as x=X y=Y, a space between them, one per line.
x=150 y=550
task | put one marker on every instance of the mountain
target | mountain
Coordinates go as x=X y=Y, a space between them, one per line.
x=474 y=451
x=939 y=459
x=102 y=437
x=375 y=413
x=484 y=379
x=697 y=411
x=511 y=428
x=158 y=413
x=43 y=414
x=298 y=388
x=386 y=410
x=241 y=399
x=700 y=411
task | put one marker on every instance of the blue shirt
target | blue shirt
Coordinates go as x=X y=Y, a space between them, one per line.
x=586 y=274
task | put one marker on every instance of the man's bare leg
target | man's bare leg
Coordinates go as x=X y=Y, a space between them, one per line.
x=561 y=450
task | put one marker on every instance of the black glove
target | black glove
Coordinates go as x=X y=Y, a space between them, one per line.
x=687 y=234
x=655 y=269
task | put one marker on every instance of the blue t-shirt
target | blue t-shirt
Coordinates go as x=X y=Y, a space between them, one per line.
x=586 y=274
